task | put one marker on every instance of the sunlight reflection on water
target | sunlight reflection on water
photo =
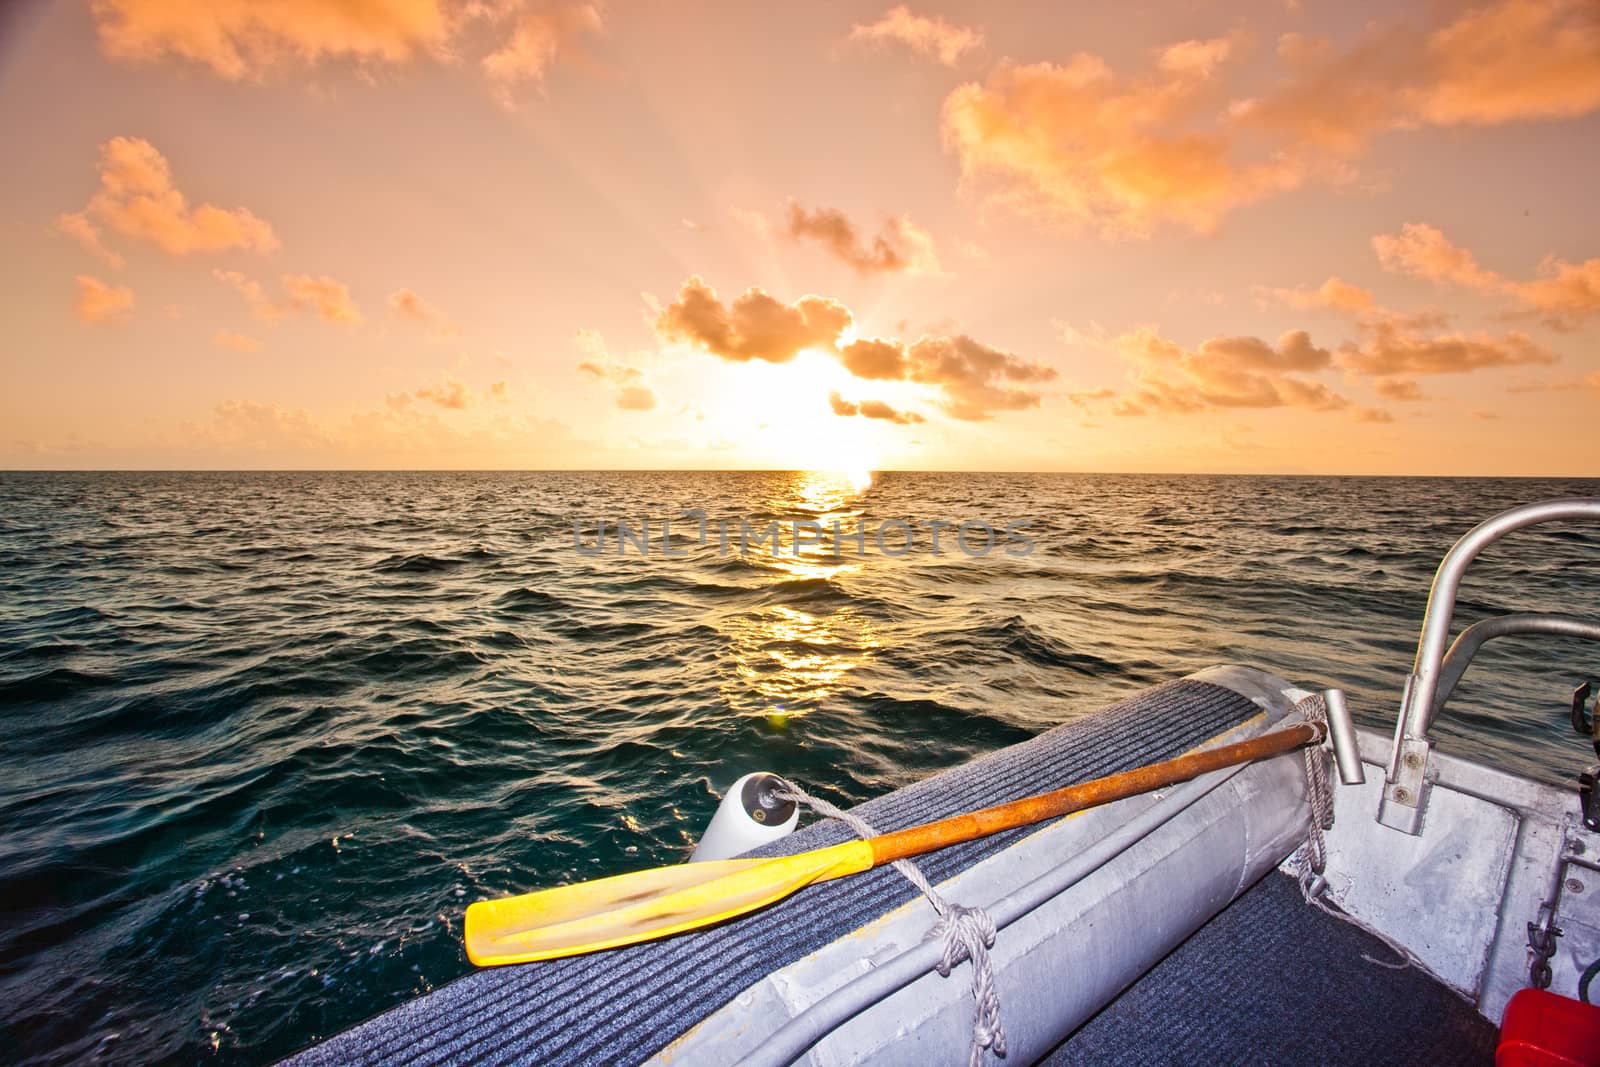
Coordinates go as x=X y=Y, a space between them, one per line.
x=788 y=660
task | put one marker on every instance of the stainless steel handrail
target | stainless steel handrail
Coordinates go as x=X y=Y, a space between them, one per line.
x=1468 y=641
x=1406 y=780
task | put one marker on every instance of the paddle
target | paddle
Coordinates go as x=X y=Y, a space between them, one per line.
x=628 y=908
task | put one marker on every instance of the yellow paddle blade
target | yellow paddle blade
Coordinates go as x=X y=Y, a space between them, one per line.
x=628 y=908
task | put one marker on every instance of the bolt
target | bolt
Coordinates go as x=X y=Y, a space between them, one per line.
x=1412 y=761
x=1575 y=846
x=1574 y=886
x=1402 y=794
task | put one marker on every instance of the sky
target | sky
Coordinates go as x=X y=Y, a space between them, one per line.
x=1255 y=237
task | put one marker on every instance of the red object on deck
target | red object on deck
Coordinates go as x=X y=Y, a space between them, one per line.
x=1542 y=1029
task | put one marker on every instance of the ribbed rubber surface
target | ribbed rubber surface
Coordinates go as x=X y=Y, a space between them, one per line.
x=1271 y=981
x=621 y=1006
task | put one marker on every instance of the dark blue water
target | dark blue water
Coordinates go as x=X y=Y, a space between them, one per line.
x=265 y=735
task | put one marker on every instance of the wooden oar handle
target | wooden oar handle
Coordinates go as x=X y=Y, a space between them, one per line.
x=916 y=840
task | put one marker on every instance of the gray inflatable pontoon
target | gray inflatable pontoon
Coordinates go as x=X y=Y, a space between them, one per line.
x=1157 y=929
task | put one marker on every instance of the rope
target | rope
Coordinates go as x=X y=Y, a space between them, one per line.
x=1319 y=793
x=968 y=933
x=1313 y=854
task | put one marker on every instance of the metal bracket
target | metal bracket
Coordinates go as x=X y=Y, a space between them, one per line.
x=1405 y=795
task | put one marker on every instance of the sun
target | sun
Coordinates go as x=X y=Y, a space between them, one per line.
x=783 y=415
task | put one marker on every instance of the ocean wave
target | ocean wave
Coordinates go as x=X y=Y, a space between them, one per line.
x=269 y=734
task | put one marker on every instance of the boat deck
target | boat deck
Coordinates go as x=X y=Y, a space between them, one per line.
x=1272 y=980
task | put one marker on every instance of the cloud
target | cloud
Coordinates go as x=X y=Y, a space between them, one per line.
x=875 y=360
x=1398 y=388
x=237 y=39
x=971 y=376
x=1505 y=61
x=328 y=297
x=1563 y=294
x=239 y=342
x=631 y=392
x=1334 y=293
x=1424 y=252
x=901 y=245
x=1078 y=146
x=451 y=394
x=407 y=304
x=1084 y=399
x=1197 y=59
x=1223 y=372
x=1081 y=146
x=536 y=39
x=77 y=226
x=138 y=200
x=1390 y=350
x=261 y=305
x=636 y=398
x=100 y=303
x=872 y=409
x=974 y=380
x=754 y=326
x=925 y=36
x=500 y=390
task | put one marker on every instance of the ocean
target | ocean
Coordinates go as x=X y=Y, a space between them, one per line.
x=265 y=735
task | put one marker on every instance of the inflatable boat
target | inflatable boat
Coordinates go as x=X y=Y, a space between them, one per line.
x=1377 y=901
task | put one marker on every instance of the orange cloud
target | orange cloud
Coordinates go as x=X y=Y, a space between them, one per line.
x=631 y=392
x=238 y=39
x=1505 y=61
x=99 y=303
x=407 y=304
x=875 y=360
x=1224 y=372
x=923 y=35
x=754 y=326
x=239 y=342
x=1425 y=252
x=262 y=306
x=1564 y=294
x=974 y=380
x=901 y=245
x=138 y=200
x=872 y=409
x=972 y=376
x=1334 y=293
x=77 y=226
x=636 y=398
x=451 y=393
x=1398 y=388
x=1079 y=146
x=1390 y=350
x=328 y=297
x=535 y=41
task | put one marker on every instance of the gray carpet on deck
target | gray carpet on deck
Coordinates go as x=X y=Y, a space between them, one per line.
x=1272 y=981
x=619 y=1007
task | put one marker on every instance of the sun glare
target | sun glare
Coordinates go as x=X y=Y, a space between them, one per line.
x=783 y=415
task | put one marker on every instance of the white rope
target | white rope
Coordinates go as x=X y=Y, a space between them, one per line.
x=968 y=933
x=1313 y=855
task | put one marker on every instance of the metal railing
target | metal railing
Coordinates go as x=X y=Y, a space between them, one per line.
x=1434 y=674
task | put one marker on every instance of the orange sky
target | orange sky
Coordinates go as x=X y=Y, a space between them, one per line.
x=1266 y=237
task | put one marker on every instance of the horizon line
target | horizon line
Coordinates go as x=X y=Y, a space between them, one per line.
x=775 y=470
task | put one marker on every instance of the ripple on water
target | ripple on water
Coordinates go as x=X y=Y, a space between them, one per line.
x=268 y=734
